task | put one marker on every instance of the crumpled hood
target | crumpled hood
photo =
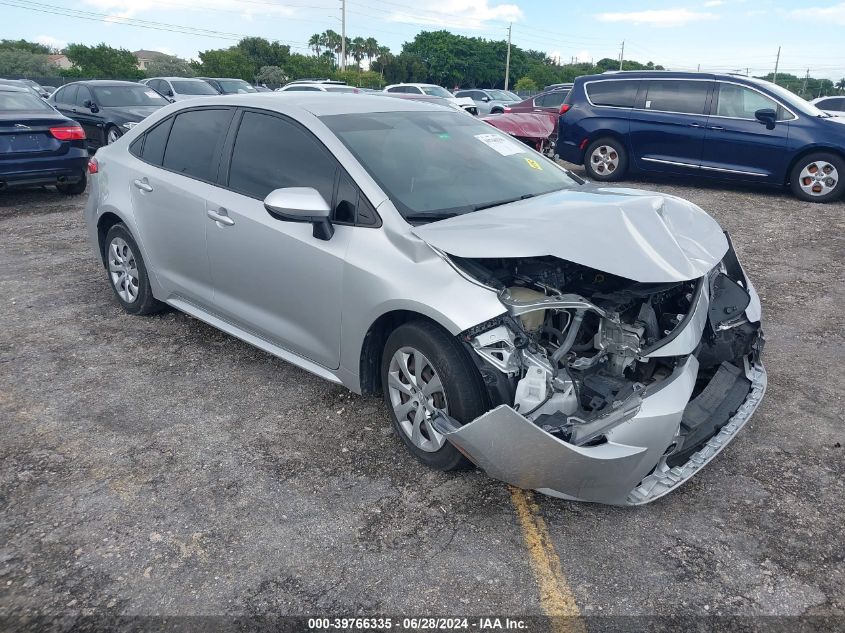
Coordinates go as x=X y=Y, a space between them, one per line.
x=639 y=235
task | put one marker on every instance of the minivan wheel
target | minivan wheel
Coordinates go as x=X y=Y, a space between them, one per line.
x=606 y=160
x=424 y=368
x=127 y=273
x=817 y=177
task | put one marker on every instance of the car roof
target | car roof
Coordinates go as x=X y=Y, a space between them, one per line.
x=13 y=88
x=176 y=78
x=319 y=103
x=102 y=82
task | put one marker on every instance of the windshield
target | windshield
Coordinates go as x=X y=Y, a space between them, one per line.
x=198 y=87
x=498 y=95
x=513 y=96
x=235 y=86
x=117 y=96
x=21 y=102
x=439 y=164
x=793 y=100
x=436 y=91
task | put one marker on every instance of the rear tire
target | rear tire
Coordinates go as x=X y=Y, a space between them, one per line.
x=606 y=160
x=73 y=188
x=127 y=273
x=818 y=177
x=424 y=366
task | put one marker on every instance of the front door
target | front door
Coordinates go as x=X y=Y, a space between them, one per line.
x=740 y=147
x=668 y=123
x=273 y=277
x=90 y=121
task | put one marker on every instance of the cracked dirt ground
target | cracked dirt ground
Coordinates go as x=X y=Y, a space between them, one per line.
x=157 y=466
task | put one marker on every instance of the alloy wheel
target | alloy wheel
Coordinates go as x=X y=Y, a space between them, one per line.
x=604 y=159
x=112 y=135
x=818 y=178
x=123 y=270
x=416 y=392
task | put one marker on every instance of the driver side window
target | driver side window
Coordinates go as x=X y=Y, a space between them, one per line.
x=738 y=102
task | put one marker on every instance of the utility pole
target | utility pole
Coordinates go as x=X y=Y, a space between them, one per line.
x=777 y=63
x=343 y=34
x=806 y=78
x=622 y=55
x=508 y=60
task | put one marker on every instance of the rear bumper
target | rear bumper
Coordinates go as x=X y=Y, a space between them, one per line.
x=569 y=151
x=45 y=171
x=630 y=468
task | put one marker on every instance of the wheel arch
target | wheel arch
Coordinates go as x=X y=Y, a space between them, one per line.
x=372 y=347
x=806 y=151
x=104 y=224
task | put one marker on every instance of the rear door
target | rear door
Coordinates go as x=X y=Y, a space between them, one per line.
x=91 y=122
x=668 y=124
x=550 y=102
x=65 y=100
x=173 y=184
x=737 y=145
x=273 y=277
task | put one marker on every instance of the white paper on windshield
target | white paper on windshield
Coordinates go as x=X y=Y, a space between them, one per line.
x=501 y=144
x=152 y=94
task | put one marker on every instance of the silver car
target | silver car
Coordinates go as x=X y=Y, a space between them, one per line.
x=488 y=101
x=592 y=343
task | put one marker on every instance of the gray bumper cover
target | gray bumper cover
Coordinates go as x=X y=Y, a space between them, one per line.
x=621 y=471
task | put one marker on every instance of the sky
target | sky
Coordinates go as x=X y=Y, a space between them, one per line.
x=718 y=35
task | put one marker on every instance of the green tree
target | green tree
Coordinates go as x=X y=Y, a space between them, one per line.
x=169 y=66
x=262 y=52
x=315 y=43
x=840 y=85
x=271 y=75
x=103 y=62
x=22 y=62
x=24 y=45
x=357 y=48
x=525 y=84
x=225 y=62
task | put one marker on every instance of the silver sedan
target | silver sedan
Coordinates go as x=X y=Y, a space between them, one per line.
x=591 y=343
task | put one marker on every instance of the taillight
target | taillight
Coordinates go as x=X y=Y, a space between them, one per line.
x=68 y=133
x=564 y=108
x=93 y=167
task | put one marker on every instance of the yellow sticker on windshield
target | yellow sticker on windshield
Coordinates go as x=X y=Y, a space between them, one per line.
x=533 y=164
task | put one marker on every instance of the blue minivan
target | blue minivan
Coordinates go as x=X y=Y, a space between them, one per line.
x=722 y=126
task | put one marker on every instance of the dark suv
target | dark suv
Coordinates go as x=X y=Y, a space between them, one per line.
x=721 y=126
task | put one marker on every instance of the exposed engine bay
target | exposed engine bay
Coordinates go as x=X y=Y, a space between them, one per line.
x=579 y=348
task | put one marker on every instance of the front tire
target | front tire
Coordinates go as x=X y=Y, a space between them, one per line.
x=425 y=368
x=127 y=272
x=606 y=160
x=112 y=134
x=818 y=177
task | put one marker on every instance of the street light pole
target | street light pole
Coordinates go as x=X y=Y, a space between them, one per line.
x=343 y=34
x=508 y=60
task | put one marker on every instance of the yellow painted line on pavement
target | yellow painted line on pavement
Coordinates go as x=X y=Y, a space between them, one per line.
x=556 y=597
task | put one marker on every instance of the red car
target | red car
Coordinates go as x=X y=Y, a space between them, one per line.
x=544 y=102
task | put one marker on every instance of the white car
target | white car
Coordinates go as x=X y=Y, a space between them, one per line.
x=431 y=90
x=317 y=86
x=180 y=88
x=834 y=106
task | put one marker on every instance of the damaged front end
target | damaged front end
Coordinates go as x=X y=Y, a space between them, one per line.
x=607 y=389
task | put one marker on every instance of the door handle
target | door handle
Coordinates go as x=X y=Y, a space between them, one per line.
x=695 y=125
x=220 y=216
x=716 y=127
x=143 y=185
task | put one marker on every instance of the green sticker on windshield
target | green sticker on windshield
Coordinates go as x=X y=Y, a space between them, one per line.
x=444 y=136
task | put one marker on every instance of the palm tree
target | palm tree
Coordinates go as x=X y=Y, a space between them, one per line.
x=332 y=42
x=840 y=85
x=315 y=42
x=370 y=50
x=357 y=49
x=382 y=53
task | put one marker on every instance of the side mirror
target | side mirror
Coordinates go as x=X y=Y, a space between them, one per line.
x=301 y=204
x=90 y=105
x=485 y=98
x=169 y=93
x=767 y=116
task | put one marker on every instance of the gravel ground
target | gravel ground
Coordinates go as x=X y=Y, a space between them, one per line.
x=157 y=466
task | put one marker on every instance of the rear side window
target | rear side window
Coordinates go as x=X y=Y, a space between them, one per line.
x=688 y=97
x=155 y=142
x=619 y=94
x=552 y=99
x=67 y=95
x=271 y=153
x=82 y=96
x=192 y=148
